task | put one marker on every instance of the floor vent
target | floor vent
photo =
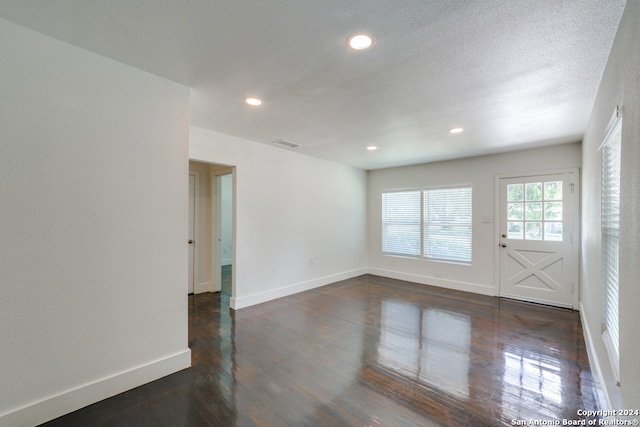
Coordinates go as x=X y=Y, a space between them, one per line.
x=283 y=143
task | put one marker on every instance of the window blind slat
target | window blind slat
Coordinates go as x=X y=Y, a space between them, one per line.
x=447 y=224
x=401 y=223
x=610 y=220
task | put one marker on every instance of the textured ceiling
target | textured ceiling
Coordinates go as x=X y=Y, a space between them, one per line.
x=513 y=73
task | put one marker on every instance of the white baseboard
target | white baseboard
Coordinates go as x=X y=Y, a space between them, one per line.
x=202 y=287
x=55 y=406
x=249 y=300
x=594 y=362
x=435 y=281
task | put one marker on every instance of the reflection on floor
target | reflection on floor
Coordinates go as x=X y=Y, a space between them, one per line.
x=368 y=351
x=226 y=280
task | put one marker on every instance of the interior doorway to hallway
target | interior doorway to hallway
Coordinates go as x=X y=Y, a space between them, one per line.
x=211 y=221
x=224 y=186
x=193 y=182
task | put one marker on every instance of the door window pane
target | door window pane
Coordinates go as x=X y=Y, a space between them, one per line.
x=533 y=231
x=553 y=231
x=553 y=211
x=514 y=211
x=553 y=190
x=533 y=211
x=515 y=192
x=515 y=230
x=533 y=191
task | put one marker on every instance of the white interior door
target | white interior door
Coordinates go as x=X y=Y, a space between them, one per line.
x=538 y=257
x=192 y=225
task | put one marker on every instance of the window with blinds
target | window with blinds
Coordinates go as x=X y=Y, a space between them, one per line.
x=401 y=226
x=447 y=224
x=610 y=226
x=434 y=224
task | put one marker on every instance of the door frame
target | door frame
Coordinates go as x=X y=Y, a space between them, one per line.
x=575 y=217
x=196 y=220
x=216 y=219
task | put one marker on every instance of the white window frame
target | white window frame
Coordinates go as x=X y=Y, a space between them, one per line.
x=610 y=229
x=424 y=224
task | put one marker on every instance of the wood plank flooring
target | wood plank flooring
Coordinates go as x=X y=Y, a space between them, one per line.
x=368 y=351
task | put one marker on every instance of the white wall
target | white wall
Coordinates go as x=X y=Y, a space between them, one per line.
x=289 y=208
x=479 y=172
x=620 y=86
x=93 y=260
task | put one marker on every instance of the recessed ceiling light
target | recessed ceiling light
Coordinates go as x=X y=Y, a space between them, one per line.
x=253 y=101
x=372 y=148
x=360 y=41
x=456 y=130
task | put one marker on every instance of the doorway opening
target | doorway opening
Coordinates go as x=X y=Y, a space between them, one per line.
x=211 y=237
x=224 y=186
x=193 y=209
x=211 y=255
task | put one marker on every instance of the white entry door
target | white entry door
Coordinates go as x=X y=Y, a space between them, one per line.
x=192 y=225
x=538 y=240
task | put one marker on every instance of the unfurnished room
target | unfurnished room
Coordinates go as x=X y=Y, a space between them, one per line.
x=319 y=213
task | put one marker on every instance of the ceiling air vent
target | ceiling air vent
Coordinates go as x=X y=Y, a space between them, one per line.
x=283 y=143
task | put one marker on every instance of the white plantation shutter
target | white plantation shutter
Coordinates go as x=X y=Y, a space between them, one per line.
x=401 y=227
x=610 y=205
x=447 y=224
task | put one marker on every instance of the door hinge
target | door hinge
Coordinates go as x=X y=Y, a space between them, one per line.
x=573 y=288
x=571 y=187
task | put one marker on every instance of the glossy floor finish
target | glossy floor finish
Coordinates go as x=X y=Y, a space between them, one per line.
x=368 y=351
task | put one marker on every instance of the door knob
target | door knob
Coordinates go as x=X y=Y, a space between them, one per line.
x=504 y=235
x=504 y=245
x=190 y=241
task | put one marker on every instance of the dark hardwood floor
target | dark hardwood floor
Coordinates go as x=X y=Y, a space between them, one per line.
x=368 y=351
